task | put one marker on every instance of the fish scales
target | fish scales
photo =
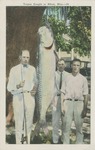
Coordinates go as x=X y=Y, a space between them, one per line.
x=46 y=79
x=46 y=70
x=46 y=75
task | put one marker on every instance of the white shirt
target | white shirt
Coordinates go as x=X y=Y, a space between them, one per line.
x=57 y=78
x=75 y=87
x=18 y=74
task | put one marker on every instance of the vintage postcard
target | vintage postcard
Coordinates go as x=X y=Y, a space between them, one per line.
x=47 y=74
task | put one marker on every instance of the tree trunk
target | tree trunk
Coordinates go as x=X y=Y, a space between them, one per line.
x=22 y=24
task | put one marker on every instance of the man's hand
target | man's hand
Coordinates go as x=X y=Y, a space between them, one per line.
x=63 y=112
x=33 y=91
x=83 y=114
x=62 y=105
x=21 y=84
x=62 y=108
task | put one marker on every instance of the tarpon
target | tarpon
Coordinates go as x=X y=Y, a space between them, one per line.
x=46 y=73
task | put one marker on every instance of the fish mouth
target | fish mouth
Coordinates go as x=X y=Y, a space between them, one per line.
x=49 y=48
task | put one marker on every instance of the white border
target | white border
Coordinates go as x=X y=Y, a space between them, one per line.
x=3 y=4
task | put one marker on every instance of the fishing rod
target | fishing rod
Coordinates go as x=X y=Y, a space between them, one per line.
x=24 y=137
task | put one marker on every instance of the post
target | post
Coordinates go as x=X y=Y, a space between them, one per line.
x=24 y=138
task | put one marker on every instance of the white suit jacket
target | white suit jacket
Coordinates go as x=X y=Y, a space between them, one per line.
x=18 y=74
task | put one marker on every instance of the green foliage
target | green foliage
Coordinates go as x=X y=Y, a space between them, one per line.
x=58 y=28
x=41 y=138
x=79 y=29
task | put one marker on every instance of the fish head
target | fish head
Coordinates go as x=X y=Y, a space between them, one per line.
x=46 y=37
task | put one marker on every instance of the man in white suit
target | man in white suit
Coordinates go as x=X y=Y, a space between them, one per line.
x=22 y=85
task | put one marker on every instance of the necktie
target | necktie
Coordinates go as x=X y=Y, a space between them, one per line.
x=60 y=80
x=25 y=65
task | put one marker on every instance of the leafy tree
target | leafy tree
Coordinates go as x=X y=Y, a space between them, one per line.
x=79 y=28
x=58 y=28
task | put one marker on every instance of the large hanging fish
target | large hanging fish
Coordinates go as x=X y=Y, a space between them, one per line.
x=46 y=73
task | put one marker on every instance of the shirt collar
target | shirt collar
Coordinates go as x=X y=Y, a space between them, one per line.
x=76 y=74
x=25 y=65
x=60 y=72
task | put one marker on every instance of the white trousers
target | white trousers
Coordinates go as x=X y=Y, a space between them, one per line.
x=73 y=109
x=19 y=109
x=56 y=116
